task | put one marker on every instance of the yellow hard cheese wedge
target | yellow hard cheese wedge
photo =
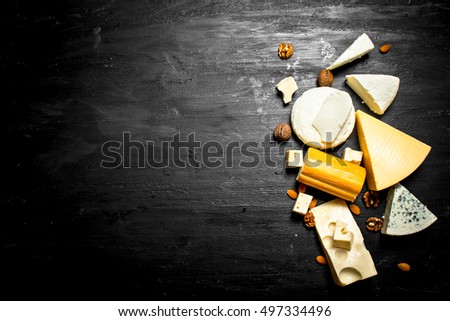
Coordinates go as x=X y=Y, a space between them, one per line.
x=389 y=155
x=332 y=174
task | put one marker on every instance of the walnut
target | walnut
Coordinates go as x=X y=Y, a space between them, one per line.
x=371 y=199
x=309 y=220
x=282 y=132
x=285 y=50
x=374 y=224
x=325 y=78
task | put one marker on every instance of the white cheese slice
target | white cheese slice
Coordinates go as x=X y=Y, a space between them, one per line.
x=377 y=91
x=288 y=87
x=305 y=111
x=347 y=266
x=294 y=158
x=352 y=156
x=302 y=203
x=357 y=49
x=332 y=115
x=404 y=213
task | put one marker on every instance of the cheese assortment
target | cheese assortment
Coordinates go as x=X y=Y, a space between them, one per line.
x=389 y=155
x=331 y=174
x=404 y=213
x=323 y=117
x=377 y=91
x=361 y=46
x=343 y=243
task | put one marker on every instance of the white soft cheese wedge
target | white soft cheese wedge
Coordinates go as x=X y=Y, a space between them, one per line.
x=332 y=115
x=404 y=213
x=288 y=87
x=347 y=265
x=361 y=46
x=352 y=156
x=302 y=203
x=377 y=91
x=307 y=108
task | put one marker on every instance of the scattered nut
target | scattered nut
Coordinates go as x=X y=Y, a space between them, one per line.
x=301 y=188
x=313 y=203
x=282 y=132
x=374 y=224
x=385 y=48
x=292 y=194
x=404 y=267
x=321 y=260
x=309 y=220
x=355 y=209
x=285 y=50
x=371 y=199
x=325 y=78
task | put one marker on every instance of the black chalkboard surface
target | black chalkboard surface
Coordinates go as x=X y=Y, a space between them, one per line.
x=138 y=161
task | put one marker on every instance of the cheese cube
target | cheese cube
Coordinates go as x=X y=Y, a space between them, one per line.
x=343 y=237
x=302 y=203
x=288 y=87
x=352 y=156
x=294 y=158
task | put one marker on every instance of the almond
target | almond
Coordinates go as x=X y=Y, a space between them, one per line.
x=292 y=194
x=354 y=209
x=385 y=48
x=301 y=188
x=321 y=260
x=313 y=203
x=404 y=267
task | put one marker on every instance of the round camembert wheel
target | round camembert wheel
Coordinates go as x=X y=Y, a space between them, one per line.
x=323 y=117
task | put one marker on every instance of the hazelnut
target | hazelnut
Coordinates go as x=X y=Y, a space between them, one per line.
x=282 y=132
x=325 y=78
x=285 y=50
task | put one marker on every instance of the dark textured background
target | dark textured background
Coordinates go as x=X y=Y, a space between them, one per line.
x=79 y=73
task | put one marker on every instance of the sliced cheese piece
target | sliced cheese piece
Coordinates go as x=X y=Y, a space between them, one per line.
x=288 y=87
x=377 y=91
x=357 y=49
x=404 y=213
x=294 y=158
x=305 y=111
x=389 y=155
x=332 y=174
x=352 y=156
x=347 y=266
x=302 y=203
x=342 y=237
x=333 y=115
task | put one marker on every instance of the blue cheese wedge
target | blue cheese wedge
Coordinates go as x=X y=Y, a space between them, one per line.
x=361 y=46
x=404 y=213
x=377 y=91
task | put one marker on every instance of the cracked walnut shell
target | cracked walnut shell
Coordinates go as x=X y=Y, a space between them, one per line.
x=309 y=220
x=374 y=224
x=371 y=199
x=285 y=50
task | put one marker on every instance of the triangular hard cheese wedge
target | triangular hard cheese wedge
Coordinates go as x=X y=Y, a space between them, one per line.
x=377 y=91
x=404 y=213
x=389 y=155
x=357 y=49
